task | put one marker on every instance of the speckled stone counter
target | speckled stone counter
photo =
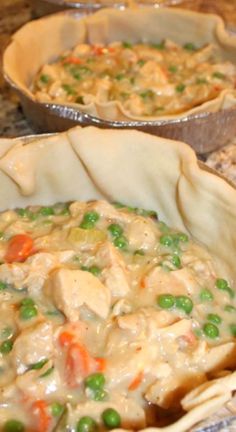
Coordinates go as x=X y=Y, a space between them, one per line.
x=15 y=13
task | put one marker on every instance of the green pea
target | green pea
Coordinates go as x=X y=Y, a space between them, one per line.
x=27 y=301
x=173 y=68
x=99 y=395
x=229 y=308
x=190 y=46
x=68 y=89
x=159 y=45
x=206 y=295
x=211 y=331
x=94 y=270
x=182 y=237
x=232 y=328
x=44 y=78
x=115 y=230
x=175 y=259
x=184 y=303
x=13 y=426
x=166 y=240
x=6 y=346
x=201 y=81
x=56 y=409
x=86 y=424
x=163 y=227
x=121 y=242
x=147 y=213
x=118 y=204
x=222 y=284
x=111 y=418
x=23 y=212
x=166 y=301
x=3 y=286
x=87 y=225
x=119 y=77
x=95 y=381
x=218 y=75
x=27 y=312
x=214 y=318
x=180 y=88
x=46 y=211
x=147 y=94
x=141 y=62
x=92 y=216
x=38 y=365
x=126 y=44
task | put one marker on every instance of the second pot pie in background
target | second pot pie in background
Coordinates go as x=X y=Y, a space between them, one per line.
x=135 y=64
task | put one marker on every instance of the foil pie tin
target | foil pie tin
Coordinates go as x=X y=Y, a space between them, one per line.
x=44 y=7
x=205 y=132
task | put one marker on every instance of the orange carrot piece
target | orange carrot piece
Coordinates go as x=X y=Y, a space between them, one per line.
x=19 y=248
x=136 y=381
x=78 y=362
x=101 y=364
x=72 y=60
x=40 y=409
x=65 y=338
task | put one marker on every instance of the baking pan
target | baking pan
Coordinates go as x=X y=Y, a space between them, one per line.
x=44 y=7
x=205 y=132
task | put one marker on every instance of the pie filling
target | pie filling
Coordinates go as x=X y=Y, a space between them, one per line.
x=147 y=79
x=108 y=317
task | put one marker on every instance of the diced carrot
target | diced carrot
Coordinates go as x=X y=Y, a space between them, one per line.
x=65 y=338
x=101 y=364
x=39 y=408
x=72 y=60
x=142 y=283
x=98 y=50
x=136 y=381
x=19 y=248
x=78 y=363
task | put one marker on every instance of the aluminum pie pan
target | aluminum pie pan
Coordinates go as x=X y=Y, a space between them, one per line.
x=44 y=7
x=204 y=132
x=225 y=419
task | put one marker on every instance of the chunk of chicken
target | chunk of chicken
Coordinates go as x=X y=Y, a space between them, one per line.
x=34 y=383
x=153 y=70
x=33 y=272
x=115 y=274
x=142 y=234
x=71 y=289
x=158 y=281
x=146 y=321
x=32 y=345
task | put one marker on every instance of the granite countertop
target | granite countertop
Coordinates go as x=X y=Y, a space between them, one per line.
x=15 y=13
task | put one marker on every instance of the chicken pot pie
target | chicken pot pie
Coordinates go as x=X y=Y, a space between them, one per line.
x=132 y=64
x=114 y=315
